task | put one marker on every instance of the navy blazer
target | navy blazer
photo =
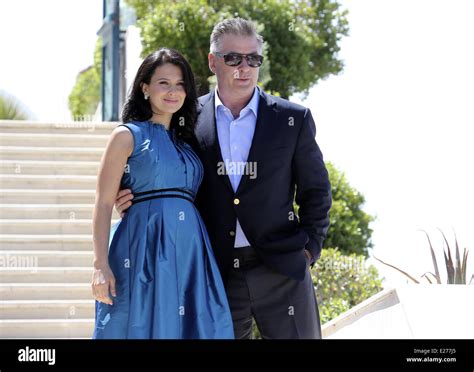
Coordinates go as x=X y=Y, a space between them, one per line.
x=287 y=158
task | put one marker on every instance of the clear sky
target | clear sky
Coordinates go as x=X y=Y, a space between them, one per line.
x=45 y=44
x=399 y=120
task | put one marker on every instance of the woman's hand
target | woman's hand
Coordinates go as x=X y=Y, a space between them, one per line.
x=103 y=283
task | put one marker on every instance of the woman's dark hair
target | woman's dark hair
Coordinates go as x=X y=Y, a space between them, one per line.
x=137 y=108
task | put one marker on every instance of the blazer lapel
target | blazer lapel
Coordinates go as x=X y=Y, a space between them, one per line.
x=206 y=133
x=264 y=135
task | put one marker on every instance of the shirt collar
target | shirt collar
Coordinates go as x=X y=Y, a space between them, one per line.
x=252 y=105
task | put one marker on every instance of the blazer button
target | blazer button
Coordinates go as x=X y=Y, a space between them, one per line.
x=232 y=233
x=236 y=201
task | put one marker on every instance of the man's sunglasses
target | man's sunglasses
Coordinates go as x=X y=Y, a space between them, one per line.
x=235 y=59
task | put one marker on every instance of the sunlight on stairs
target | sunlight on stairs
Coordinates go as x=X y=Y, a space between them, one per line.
x=47 y=190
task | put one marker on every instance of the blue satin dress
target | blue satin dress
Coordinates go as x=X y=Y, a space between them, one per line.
x=167 y=280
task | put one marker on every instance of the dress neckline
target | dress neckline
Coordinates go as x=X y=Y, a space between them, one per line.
x=170 y=132
x=158 y=124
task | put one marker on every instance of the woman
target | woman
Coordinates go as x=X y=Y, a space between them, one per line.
x=156 y=276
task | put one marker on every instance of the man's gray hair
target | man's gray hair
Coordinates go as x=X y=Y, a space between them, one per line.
x=234 y=26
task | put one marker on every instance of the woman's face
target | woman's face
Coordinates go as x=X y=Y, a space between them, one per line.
x=166 y=89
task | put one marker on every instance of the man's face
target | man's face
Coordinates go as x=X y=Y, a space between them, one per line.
x=235 y=81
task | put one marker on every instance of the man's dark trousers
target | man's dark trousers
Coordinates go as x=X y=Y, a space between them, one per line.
x=283 y=308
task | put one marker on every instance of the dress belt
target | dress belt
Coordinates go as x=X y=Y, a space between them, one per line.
x=162 y=193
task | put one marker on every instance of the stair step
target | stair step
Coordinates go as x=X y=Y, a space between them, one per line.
x=79 y=127
x=40 y=181
x=45 y=275
x=46 y=211
x=65 y=259
x=86 y=168
x=57 y=242
x=51 y=153
x=48 y=175
x=47 y=309
x=46 y=196
x=54 y=139
x=77 y=226
x=41 y=291
x=46 y=328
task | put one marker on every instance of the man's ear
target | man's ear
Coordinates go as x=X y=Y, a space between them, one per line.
x=211 y=58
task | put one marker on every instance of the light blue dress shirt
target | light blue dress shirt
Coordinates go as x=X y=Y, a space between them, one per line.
x=235 y=139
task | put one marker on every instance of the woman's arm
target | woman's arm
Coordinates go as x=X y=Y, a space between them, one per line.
x=119 y=148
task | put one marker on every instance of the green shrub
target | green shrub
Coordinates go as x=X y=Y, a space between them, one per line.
x=342 y=281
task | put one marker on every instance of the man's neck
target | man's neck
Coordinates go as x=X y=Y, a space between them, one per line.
x=235 y=104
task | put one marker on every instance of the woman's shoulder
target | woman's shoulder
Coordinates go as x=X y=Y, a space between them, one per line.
x=121 y=138
x=122 y=131
x=138 y=128
x=133 y=124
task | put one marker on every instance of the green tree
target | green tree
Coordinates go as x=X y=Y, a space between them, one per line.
x=182 y=25
x=85 y=95
x=11 y=108
x=301 y=36
x=349 y=229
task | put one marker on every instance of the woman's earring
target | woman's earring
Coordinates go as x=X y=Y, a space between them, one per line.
x=146 y=96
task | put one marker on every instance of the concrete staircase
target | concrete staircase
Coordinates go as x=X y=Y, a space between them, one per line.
x=47 y=190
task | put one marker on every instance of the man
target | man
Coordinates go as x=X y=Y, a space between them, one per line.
x=257 y=150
